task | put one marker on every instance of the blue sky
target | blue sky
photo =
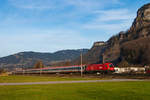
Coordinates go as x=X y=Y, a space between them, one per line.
x=52 y=25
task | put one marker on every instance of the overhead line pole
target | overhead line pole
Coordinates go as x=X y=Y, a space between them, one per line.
x=81 y=66
x=103 y=58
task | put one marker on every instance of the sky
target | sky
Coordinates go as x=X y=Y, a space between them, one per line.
x=52 y=25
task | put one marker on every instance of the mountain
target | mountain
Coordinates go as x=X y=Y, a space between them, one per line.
x=28 y=59
x=127 y=48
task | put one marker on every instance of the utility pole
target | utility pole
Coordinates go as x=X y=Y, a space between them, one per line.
x=40 y=70
x=81 y=66
x=41 y=66
x=23 y=71
x=103 y=58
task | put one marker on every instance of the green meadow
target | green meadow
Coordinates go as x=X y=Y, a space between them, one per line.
x=78 y=91
x=21 y=78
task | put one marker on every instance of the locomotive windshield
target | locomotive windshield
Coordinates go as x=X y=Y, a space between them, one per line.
x=111 y=65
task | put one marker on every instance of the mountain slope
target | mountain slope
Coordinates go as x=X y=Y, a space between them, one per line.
x=28 y=59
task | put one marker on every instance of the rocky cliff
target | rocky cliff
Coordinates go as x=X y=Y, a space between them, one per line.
x=135 y=47
x=141 y=25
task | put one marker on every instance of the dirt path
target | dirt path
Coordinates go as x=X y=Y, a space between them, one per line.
x=60 y=82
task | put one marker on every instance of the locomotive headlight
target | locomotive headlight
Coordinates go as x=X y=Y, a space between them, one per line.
x=100 y=67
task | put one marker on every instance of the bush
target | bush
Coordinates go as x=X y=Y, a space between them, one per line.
x=39 y=64
x=2 y=71
x=124 y=63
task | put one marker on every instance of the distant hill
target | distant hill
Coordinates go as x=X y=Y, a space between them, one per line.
x=129 y=48
x=28 y=59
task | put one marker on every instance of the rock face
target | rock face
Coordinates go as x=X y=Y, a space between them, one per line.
x=140 y=26
x=131 y=46
x=136 y=52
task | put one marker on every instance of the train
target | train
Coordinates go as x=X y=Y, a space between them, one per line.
x=90 y=68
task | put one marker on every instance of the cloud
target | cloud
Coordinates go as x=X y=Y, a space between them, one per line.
x=108 y=28
x=85 y=4
x=113 y=20
x=91 y=3
x=34 y=4
x=61 y=4
x=42 y=41
x=114 y=14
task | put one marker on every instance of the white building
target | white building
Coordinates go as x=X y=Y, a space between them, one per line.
x=130 y=69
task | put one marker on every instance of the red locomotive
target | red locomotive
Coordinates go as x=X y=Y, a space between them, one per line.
x=106 y=67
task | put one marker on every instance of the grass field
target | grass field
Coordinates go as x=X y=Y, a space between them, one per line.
x=17 y=78
x=78 y=91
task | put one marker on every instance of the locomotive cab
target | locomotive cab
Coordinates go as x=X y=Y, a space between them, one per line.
x=110 y=67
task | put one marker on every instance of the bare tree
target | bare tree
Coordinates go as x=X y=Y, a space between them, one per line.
x=39 y=64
